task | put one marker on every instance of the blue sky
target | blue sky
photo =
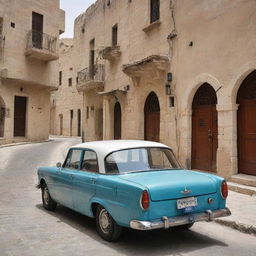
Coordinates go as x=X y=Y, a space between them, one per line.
x=73 y=8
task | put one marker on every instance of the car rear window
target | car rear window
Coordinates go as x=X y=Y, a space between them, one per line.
x=140 y=159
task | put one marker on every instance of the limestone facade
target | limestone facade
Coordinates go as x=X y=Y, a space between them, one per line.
x=66 y=102
x=29 y=32
x=125 y=50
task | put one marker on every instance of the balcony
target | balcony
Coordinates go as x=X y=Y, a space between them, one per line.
x=91 y=78
x=41 y=46
x=153 y=67
x=111 y=53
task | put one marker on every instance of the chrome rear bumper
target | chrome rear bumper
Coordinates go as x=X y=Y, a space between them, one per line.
x=179 y=220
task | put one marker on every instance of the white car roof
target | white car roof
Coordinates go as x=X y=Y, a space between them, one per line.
x=105 y=147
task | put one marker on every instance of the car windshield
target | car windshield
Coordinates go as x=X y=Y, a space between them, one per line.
x=140 y=159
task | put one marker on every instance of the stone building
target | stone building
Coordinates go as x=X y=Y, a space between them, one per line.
x=29 y=32
x=66 y=102
x=176 y=71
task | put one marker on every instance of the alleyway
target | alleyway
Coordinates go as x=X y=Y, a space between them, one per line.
x=27 y=229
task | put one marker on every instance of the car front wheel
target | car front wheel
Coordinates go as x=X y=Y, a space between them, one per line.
x=48 y=202
x=106 y=226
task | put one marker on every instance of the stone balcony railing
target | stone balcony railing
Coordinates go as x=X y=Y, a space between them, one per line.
x=41 y=46
x=91 y=78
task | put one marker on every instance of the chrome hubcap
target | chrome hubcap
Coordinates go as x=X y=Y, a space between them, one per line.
x=46 y=195
x=104 y=221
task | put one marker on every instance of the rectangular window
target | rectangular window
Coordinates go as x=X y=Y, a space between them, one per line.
x=90 y=162
x=70 y=82
x=91 y=60
x=60 y=78
x=114 y=35
x=37 y=30
x=154 y=10
x=1 y=26
x=71 y=114
x=73 y=159
x=87 y=112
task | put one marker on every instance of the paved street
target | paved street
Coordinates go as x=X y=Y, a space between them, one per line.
x=27 y=229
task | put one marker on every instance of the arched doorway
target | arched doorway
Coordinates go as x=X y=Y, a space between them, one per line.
x=152 y=118
x=2 y=117
x=246 y=125
x=117 y=121
x=204 y=129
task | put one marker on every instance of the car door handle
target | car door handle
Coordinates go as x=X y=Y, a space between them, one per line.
x=93 y=180
x=71 y=176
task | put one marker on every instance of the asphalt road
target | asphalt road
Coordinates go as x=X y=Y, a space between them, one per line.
x=27 y=229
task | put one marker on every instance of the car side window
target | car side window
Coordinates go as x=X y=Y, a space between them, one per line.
x=90 y=162
x=73 y=160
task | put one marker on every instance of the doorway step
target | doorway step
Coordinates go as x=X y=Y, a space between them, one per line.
x=242 y=183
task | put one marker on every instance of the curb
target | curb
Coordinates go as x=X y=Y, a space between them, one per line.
x=24 y=143
x=238 y=226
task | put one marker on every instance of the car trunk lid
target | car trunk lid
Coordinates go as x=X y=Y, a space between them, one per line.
x=173 y=184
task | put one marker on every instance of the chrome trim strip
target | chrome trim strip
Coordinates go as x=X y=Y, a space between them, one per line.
x=179 y=220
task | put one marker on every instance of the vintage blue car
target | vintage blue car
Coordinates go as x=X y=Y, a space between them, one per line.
x=132 y=183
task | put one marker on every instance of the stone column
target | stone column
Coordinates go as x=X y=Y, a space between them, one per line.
x=227 y=140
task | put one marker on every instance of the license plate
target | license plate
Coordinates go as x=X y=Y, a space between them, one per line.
x=186 y=202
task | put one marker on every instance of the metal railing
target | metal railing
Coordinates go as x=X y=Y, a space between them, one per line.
x=41 y=41
x=95 y=73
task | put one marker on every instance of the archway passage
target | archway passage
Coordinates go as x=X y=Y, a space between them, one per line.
x=246 y=125
x=152 y=118
x=2 y=117
x=117 y=121
x=204 y=129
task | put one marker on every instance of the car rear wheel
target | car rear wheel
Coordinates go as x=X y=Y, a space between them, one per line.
x=48 y=203
x=106 y=226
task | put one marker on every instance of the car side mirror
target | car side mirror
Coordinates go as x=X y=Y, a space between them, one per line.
x=59 y=165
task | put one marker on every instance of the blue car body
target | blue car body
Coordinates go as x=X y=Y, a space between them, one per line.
x=120 y=194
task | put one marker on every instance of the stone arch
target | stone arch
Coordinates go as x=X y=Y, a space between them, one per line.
x=152 y=117
x=2 y=116
x=196 y=83
x=236 y=82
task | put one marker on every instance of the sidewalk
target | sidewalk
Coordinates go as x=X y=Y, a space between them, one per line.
x=243 y=209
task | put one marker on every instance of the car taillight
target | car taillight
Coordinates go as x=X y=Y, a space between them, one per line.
x=144 y=200
x=224 y=189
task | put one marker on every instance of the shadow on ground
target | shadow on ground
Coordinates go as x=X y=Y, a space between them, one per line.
x=132 y=242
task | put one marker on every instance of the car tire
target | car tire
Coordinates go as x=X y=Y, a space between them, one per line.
x=106 y=226
x=48 y=203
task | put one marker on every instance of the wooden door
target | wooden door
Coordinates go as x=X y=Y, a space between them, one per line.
x=117 y=121
x=20 y=109
x=152 y=126
x=205 y=141
x=247 y=137
x=37 y=30
x=152 y=118
x=204 y=129
x=246 y=125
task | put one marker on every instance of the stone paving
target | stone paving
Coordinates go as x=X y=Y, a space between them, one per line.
x=243 y=208
x=27 y=229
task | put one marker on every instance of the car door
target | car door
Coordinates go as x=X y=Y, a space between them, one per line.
x=84 y=182
x=65 y=176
